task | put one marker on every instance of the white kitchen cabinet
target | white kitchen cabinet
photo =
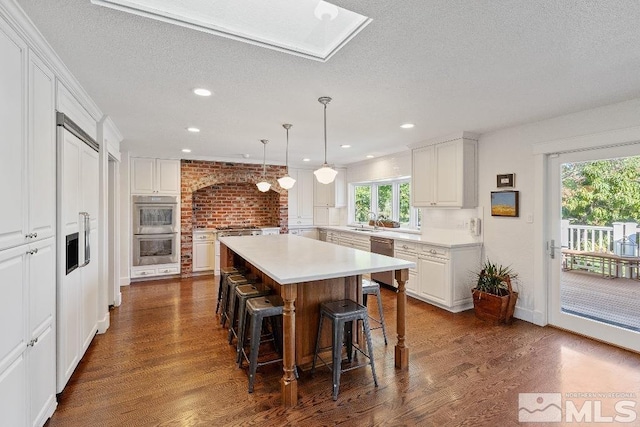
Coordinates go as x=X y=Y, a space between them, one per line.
x=41 y=154
x=326 y=216
x=332 y=195
x=27 y=230
x=355 y=241
x=13 y=190
x=309 y=232
x=444 y=275
x=27 y=348
x=204 y=250
x=77 y=319
x=151 y=271
x=433 y=278
x=301 y=197
x=155 y=176
x=266 y=231
x=27 y=151
x=444 y=174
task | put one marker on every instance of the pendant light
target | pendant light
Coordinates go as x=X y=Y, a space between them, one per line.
x=325 y=175
x=286 y=181
x=263 y=185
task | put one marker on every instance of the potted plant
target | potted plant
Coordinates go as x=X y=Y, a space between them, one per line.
x=493 y=297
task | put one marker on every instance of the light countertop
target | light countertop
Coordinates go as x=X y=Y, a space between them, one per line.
x=295 y=259
x=437 y=237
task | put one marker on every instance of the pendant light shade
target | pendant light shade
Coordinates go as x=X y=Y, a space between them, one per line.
x=286 y=181
x=325 y=175
x=263 y=185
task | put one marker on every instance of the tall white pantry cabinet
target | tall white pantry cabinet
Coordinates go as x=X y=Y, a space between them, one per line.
x=27 y=234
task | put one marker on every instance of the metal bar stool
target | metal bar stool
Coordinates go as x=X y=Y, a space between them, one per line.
x=224 y=273
x=342 y=315
x=231 y=283
x=259 y=309
x=238 y=309
x=370 y=287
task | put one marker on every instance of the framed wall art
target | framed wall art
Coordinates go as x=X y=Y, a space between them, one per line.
x=507 y=180
x=505 y=203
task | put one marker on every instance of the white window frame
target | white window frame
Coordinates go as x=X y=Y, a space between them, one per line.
x=395 y=201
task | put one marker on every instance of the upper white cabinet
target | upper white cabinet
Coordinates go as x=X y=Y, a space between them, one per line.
x=333 y=195
x=41 y=152
x=13 y=189
x=301 y=197
x=155 y=176
x=444 y=172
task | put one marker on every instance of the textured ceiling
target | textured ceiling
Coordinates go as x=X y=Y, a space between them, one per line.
x=445 y=65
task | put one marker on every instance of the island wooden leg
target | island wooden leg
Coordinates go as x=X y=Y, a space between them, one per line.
x=289 y=384
x=402 y=351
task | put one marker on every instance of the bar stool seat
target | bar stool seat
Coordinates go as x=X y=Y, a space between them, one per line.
x=257 y=310
x=370 y=287
x=342 y=315
x=238 y=309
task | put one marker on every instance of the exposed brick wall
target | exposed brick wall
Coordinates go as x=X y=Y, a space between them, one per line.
x=225 y=205
x=225 y=194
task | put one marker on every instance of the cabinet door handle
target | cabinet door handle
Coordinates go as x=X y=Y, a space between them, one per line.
x=433 y=251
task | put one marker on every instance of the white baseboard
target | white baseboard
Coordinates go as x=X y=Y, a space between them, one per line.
x=125 y=281
x=524 y=314
x=118 y=299
x=103 y=324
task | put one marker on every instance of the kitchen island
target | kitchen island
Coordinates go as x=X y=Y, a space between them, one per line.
x=307 y=272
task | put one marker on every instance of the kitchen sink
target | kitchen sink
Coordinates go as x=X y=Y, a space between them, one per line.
x=366 y=229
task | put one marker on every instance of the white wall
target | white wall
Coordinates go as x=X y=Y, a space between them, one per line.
x=391 y=166
x=514 y=241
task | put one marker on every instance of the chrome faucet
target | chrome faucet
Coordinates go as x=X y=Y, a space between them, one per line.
x=374 y=217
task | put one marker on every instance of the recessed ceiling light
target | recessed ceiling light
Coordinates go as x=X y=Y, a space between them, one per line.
x=306 y=160
x=370 y=156
x=194 y=130
x=407 y=126
x=186 y=150
x=345 y=146
x=202 y=92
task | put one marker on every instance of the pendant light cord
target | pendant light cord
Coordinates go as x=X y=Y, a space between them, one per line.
x=325 y=133
x=287 y=155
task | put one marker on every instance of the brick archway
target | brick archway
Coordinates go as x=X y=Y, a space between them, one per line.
x=197 y=175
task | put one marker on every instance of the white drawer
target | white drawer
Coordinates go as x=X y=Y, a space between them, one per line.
x=168 y=270
x=405 y=246
x=300 y=221
x=201 y=236
x=436 y=251
x=144 y=273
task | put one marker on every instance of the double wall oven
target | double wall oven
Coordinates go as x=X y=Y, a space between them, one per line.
x=155 y=230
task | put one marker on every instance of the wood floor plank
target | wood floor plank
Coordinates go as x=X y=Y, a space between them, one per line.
x=165 y=361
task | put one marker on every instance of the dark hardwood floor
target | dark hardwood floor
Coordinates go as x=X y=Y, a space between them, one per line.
x=165 y=361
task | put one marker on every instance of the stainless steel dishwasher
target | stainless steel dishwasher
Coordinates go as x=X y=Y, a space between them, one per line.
x=382 y=246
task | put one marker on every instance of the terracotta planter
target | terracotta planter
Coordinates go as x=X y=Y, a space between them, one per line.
x=495 y=308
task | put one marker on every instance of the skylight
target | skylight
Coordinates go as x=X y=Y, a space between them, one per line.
x=313 y=29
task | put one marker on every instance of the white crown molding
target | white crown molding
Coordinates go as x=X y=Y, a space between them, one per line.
x=624 y=136
x=446 y=138
x=18 y=19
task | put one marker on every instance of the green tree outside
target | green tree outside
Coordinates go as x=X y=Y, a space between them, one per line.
x=601 y=192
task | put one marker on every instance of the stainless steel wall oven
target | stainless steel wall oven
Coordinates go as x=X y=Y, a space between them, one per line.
x=155 y=230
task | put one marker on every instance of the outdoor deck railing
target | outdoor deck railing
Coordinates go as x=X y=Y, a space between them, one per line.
x=589 y=238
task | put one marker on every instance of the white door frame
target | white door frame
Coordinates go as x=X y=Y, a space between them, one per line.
x=615 y=140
